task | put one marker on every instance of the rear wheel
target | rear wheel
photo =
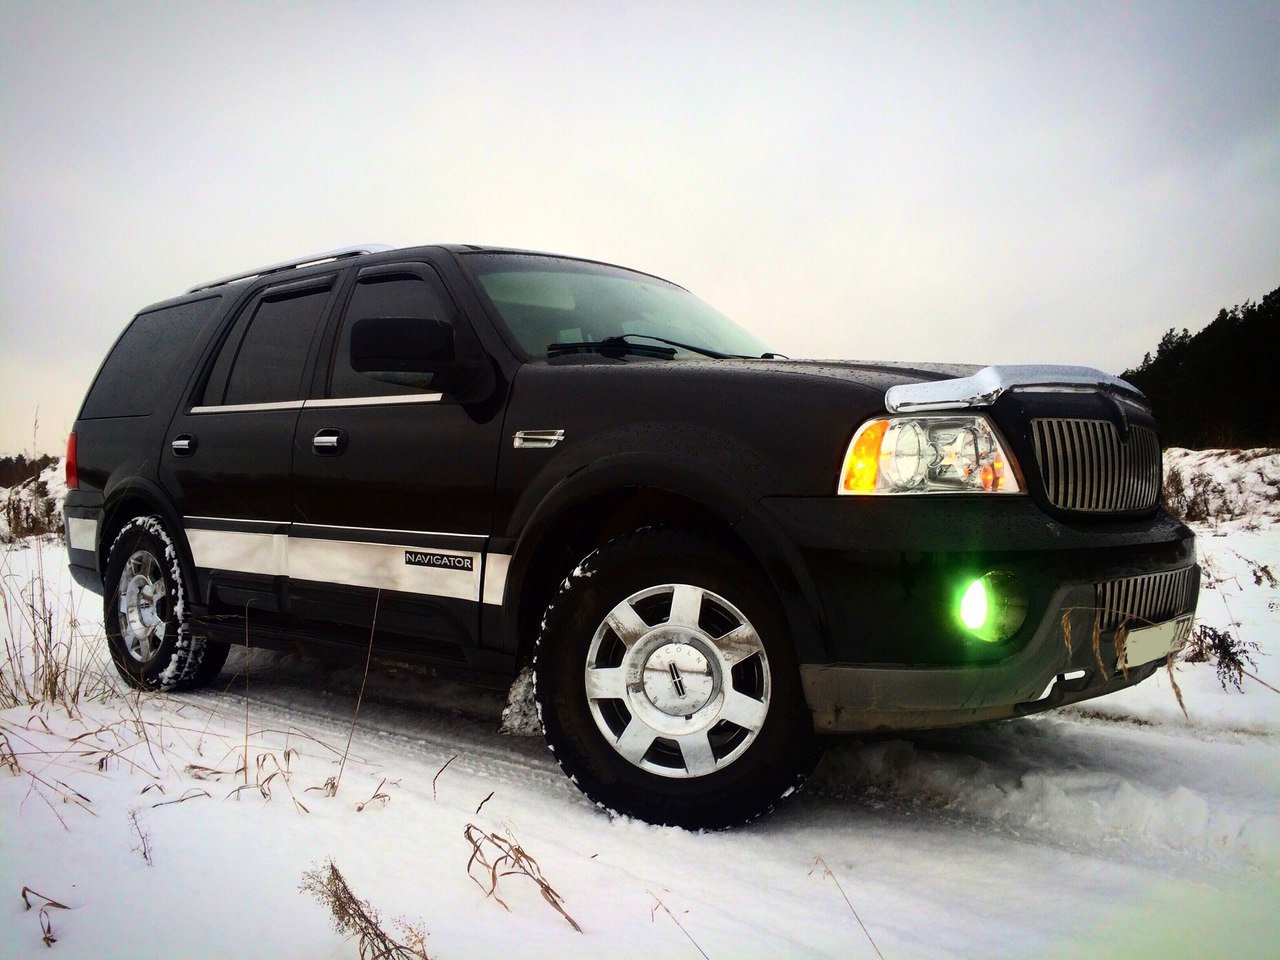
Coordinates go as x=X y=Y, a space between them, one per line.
x=145 y=617
x=666 y=684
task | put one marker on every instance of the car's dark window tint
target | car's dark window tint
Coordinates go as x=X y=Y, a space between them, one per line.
x=397 y=295
x=145 y=359
x=266 y=362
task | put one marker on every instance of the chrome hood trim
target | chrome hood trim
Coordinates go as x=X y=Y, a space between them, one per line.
x=987 y=385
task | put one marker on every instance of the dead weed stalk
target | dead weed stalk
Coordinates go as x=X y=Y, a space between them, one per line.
x=46 y=924
x=1230 y=654
x=659 y=905
x=437 y=776
x=378 y=797
x=826 y=873
x=332 y=784
x=494 y=856
x=143 y=835
x=353 y=917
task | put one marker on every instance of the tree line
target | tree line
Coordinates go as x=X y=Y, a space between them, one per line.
x=1219 y=387
x=14 y=470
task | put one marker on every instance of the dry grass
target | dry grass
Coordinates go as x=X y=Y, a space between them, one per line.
x=494 y=856
x=826 y=873
x=353 y=917
x=144 y=837
x=334 y=782
x=1177 y=690
x=1119 y=641
x=1226 y=651
x=378 y=797
x=42 y=642
x=46 y=904
x=437 y=776
x=1230 y=654
x=659 y=905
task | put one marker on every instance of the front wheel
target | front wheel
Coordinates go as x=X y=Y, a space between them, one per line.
x=667 y=687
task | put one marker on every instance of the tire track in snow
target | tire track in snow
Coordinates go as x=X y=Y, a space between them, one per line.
x=1079 y=785
x=1064 y=780
x=422 y=733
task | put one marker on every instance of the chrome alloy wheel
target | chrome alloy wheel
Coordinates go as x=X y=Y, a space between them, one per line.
x=677 y=680
x=143 y=608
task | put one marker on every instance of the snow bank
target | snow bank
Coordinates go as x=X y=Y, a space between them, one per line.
x=1240 y=487
x=35 y=504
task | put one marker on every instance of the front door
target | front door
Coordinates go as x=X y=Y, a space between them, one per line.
x=392 y=487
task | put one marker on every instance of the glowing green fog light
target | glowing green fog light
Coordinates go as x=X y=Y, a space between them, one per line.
x=973 y=606
x=993 y=607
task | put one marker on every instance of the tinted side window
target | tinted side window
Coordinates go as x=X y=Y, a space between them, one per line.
x=145 y=359
x=264 y=363
x=397 y=295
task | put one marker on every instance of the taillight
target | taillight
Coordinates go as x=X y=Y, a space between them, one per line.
x=73 y=479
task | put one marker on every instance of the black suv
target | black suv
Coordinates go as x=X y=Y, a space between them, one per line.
x=487 y=458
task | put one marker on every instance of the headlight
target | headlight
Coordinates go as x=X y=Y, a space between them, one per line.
x=928 y=454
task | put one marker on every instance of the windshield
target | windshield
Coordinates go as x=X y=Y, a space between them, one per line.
x=551 y=300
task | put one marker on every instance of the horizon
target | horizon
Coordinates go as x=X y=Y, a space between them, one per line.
x=918 y=182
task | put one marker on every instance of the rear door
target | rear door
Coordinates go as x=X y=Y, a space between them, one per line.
x=392 y=485
x=228 y=455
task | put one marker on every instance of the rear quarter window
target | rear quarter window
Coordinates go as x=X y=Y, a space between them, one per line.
x=145 y=360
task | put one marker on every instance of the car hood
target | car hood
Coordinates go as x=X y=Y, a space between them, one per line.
x=878 y=375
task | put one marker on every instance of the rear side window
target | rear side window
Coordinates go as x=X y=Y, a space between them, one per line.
x=262 y=360
x=145 y=360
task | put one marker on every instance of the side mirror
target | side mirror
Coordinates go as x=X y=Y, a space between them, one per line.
x=410 y=351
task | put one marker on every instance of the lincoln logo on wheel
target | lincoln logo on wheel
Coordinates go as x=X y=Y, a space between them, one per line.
x=419 y=559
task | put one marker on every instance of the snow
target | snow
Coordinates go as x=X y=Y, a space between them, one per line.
x=1118 y=827
x=1237 y=488
x=24 y=500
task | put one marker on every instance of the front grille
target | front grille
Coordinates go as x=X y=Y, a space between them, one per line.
x=1140 y=601
x=1087 y=468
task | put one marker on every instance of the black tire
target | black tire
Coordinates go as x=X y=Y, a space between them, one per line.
x=709 y=727
x=211 y=663
x=144 y=612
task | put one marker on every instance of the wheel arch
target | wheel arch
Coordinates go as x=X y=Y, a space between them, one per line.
x=576 y=519
x=141 y=498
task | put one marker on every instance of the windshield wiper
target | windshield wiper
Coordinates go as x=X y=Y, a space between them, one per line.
x=610 y=347
x=705 y=351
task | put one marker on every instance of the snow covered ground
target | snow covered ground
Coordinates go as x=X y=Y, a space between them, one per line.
x=1117 y=828
x=30 y=506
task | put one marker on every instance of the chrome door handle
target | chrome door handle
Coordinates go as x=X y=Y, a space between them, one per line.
x=183 y=445
x=524 y=439
x=329 y=443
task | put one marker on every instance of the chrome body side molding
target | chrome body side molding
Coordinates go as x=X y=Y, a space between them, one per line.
x=987 y=385
x=384 y=401
x=374 y=559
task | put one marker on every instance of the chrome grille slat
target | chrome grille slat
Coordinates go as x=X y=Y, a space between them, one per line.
x=1140 y=601
x=1086 y=468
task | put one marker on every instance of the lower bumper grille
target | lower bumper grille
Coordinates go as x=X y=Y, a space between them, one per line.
x=1140 y=601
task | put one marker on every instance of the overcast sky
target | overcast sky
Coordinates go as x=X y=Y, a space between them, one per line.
x=988 y=183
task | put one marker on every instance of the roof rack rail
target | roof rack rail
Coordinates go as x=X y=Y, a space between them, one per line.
x=339 y=254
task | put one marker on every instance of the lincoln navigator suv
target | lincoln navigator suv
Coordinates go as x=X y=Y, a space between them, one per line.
x=708 y=554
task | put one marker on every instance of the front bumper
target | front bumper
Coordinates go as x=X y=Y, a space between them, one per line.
x=881 y=576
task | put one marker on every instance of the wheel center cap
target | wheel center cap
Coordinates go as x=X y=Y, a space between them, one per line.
x=678 y=679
